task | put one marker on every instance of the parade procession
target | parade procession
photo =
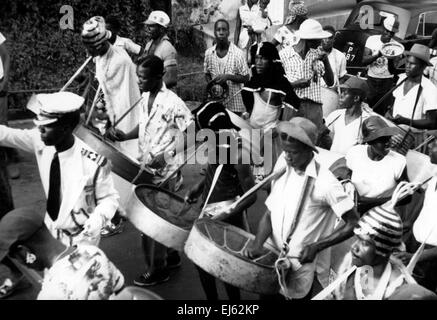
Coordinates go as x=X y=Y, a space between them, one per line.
x=302 y=166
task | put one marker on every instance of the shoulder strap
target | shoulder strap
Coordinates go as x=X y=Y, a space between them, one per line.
x=93 y=156
x=307 y=190
x=419 y=92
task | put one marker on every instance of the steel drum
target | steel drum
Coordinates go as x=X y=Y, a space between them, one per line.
x=330 y=100
x=122 y=165
x=161 y=215
x=217 y=248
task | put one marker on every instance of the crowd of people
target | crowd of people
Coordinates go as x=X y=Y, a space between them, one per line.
x=360 y=229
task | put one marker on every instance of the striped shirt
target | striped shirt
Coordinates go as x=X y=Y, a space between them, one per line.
x=234 y=63
x=297 y=68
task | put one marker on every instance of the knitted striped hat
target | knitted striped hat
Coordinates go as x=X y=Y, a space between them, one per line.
x=94 y=31
x=384 y=226
x=296 y=9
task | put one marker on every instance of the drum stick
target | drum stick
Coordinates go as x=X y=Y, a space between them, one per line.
x=214 y=181
x=427 y=140
x=258 y=186
x=93 y=105
x=330 y=288
x=182 y=165
x=126 y=113
x=76 y=74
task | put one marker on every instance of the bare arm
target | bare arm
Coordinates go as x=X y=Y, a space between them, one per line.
x=430 y=122
x=171 y=76
x=368 y=58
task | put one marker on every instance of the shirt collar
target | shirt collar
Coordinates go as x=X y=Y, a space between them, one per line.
x=310 y=170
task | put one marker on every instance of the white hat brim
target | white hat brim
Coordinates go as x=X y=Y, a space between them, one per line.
x=44 y=122
x=309 y=36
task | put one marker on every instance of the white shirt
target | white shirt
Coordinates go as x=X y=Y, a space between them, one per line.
x=327 y=202
x=128 y=45
x=345 y=136
x=248 y=16
x=2 y=41
x=426 y=223
x=337 y=60
x=431 y=72
x=404 y=104
x=374 y=179
x=168 y=118
x=378 y=68
x=286 y=37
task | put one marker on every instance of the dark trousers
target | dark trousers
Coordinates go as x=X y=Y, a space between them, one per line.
x=377 y=89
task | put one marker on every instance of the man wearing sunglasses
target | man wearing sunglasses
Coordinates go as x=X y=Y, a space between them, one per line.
x=303 y=224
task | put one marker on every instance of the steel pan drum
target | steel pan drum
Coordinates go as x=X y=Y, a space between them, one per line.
x=122 y=165
x=330 y=101
x=161 y=215
x=217 y=248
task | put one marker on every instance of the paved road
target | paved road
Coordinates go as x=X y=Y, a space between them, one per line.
x=124 y=249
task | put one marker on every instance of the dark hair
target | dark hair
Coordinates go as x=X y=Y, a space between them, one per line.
x=114 y=22
x=221 y=20
x=329 y=29
x=155 y=64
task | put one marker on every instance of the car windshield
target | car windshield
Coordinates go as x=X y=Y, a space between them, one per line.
x=371 y=16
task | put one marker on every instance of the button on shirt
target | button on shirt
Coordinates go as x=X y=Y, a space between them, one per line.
x=159 y=129
x=404 y=104
x=233 y=63
x=297 y=68
x=426 y=223
x=327 y=202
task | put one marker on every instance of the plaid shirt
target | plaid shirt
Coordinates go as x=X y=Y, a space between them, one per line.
x=297 y=68
x=236 y=65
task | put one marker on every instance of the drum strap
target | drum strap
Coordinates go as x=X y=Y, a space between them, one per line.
x=419 y=92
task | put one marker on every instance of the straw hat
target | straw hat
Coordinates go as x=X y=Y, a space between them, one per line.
x=421 y=52
x=374 y=127
x=312 y=29
x=300 y=129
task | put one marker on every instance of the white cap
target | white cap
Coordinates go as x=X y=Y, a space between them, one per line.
x=390 y=23
x=158 y=17
x=52 y=106
x=312 y=29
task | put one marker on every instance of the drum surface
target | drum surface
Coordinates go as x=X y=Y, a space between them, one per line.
x=218 y=248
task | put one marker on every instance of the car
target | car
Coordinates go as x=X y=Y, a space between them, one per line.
x=417 y=20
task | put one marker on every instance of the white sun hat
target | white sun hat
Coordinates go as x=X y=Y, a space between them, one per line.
x=312 y=29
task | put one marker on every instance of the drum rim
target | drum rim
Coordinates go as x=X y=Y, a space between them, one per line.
x=266 y=245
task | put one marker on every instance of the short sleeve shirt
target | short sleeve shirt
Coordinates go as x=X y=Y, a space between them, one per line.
x=425 y=227
x=128 y=45
x=375 y=179
x=159 y=129
x=378 y=68
x=163 y=50
x=404 y=104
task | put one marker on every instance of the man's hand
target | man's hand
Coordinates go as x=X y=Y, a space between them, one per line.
x=93 y=226
x=220 y=79
x=159 y=160
x=309 y=253
x=115 y=134
x=405 y=257
x=253 y=251
x=3 y=87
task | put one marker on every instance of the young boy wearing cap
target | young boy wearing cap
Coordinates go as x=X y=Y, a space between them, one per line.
x=79 y=272
x=305 y=69
x=345 y=123
x=81 y=197
x=376 y=170
x=415 y=100
x=425 y=231
x=378 y=275
x=380 y=69
x=225 y=63
x=303 y=226
x=163 y=118
x=156 y=28
x=234 y=180
x=337 y=59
